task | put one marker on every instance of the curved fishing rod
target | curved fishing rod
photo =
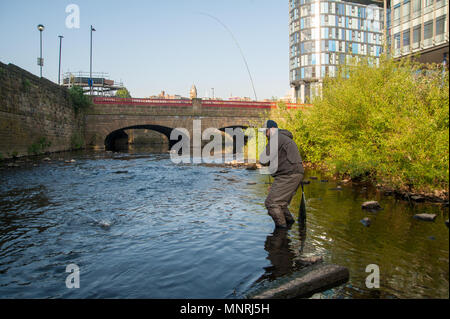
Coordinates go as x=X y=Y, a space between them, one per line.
x=237 y=44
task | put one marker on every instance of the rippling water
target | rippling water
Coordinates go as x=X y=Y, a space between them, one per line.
x=139 y=226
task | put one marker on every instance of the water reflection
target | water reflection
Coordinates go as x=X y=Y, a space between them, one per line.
x=284 y=257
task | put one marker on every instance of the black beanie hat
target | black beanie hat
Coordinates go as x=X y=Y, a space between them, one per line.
x=271 y=124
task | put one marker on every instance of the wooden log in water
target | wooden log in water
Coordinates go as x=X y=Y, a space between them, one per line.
x=318 y=278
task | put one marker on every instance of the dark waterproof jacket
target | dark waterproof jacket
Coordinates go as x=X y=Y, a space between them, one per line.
x=289 y=159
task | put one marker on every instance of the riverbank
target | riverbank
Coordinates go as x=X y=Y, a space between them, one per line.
x=441 y=197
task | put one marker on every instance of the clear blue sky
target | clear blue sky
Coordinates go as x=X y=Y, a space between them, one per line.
x=157 y=45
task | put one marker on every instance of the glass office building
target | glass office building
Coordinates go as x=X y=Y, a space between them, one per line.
x=419 y=26
x=327 y=33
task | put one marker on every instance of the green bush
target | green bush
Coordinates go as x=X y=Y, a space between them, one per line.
x=77 y=141
x=26 y=85
x=78 y=99
x=123 y=93
x=39 y=146
x=388 y=124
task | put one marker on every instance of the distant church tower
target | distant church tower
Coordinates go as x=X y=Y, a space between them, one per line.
x=193 y=92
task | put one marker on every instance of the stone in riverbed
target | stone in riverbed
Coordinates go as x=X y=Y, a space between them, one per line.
x=310 y=260
x=306 y=182
x=47 y=159
x=251 y=167
x=365 y=221
x=418 y=198
x=372 y=205
x=446 y=223
x=425 y=217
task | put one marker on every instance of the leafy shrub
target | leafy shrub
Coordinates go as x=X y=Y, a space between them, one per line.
x=26 y=85
x=388 y=124
x=39 y=147
x=77 y=141
x=78 y=99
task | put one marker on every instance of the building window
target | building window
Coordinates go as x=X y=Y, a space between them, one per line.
x=406 y=36
x=397 y=41
x=440 y=25
x=397 y=14
x=417 y=6
x=416 y=36
x=428 y=30
x=406 y=10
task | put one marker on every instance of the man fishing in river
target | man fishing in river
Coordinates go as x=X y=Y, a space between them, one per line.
x=287 y=174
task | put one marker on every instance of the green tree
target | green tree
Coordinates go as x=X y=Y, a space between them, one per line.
x=78 y=99
x=123 y=93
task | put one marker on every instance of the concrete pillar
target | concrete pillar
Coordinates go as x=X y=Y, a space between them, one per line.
x=197 y=105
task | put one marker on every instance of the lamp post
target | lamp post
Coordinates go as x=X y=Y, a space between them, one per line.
x=90 y=73
x=40 y=60
x=59 y=68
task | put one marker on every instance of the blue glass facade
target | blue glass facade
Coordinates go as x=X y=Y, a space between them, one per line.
x=326 y=33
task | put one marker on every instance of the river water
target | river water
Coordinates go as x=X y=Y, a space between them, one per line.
x=139 y=226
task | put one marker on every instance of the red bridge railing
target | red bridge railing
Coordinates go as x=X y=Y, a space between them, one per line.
x=139 y=101
x=188 y=103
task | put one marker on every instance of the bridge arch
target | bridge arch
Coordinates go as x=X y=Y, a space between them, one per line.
x=110 y=139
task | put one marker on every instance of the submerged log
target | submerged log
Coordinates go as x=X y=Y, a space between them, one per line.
x=314 y=279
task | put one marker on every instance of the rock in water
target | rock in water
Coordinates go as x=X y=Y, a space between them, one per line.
x=306 y=182
x=104 y=224
x=310 y=260
x=373 y=205
x=418 y=198
x=446 y=223
x=365 y=221
x=425 y=217
x=251 y=167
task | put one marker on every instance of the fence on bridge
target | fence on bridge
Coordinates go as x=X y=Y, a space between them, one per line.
x=188 y=103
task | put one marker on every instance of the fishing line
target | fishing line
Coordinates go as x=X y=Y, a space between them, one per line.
x=237 y=44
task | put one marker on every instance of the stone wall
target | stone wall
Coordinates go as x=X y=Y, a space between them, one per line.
x=34 y=110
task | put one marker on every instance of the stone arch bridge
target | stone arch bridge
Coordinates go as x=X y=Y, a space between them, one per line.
x=109 y=117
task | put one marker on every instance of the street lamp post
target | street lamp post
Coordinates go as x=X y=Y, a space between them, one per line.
x=40 y=60
x=59 y=68
x=90 y=73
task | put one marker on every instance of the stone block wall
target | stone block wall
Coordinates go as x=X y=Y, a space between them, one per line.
x=34 y=110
